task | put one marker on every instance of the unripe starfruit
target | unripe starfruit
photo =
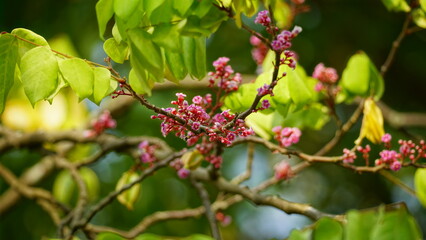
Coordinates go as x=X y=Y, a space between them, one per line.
x=129 y=196
x=192 y=159
x=372 y=123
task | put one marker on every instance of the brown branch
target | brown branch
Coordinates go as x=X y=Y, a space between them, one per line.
x=395 y=45
x=110 y=197
x=274 y=201
x=30 y=192
x=398 y=119
x=31 y=176
x=204 y=195
x=342 y=131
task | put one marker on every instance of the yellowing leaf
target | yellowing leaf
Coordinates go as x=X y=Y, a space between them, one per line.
x=192 y=160
x=372 y=123
x=129 y=196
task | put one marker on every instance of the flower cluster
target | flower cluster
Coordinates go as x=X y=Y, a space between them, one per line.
x=263 y=18
x=259 y=50
x=287 y=136
x=388 y=157
x=103 y=122
x=146 y=152
x=348 y=156
x=326 y=77
x=283 y=40
x=223 y=72
x=283 y=170
x=192 y=121
x=181 y=171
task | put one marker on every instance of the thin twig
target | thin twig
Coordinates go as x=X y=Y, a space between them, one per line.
x=397 y=182
x=247 y=173
x=204 y=195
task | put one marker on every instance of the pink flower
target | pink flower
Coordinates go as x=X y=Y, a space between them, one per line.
x=265 y=104
x=395 y=165
x=183 y=173
x=263 y=18
x=287 y=136
x=386 y=138
x=283 y=170
x=388 y=155
x=325 y=75
x=348 y=156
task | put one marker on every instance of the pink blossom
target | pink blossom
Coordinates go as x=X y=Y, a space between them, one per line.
x=287 y=136
x=263 y=18
x=325 y=75
x=348 y=156
x=388 y=155
x=265 y=104
x=395 y=165
x=386 y=138
x=282 y=170
x=183 y=173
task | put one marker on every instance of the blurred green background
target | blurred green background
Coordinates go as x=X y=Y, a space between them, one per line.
x=333 y=30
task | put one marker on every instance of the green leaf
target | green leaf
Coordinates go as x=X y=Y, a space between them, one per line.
x=328 y=229
x=148 y=236
x=119 y=52
x=101 y=83
x=104 y=12
x=395 y=225
x=63 y=187
x=145 y=52
x=160 y=13
x=419 y=17
x=140 y=82
x=35 y=39
x=176 y=64
x=262 y=123
x=396 y=5
x=182 y=6
x=360 y=224
x=423 y=4
x=300 y=235
x=79 y=75
x=314 y=116
x=299 y=92
x=194 y=55
x=150 y=6
x=39 y=73
x=361 y=78
x=92 y=182
x=198 y=237
x=167 y=36
x=125 y=8
x=9 y=58
x=420 y=185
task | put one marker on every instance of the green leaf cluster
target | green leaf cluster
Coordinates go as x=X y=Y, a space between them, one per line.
x=368 y=224
x=161 y=38
x=150 y=236
x=27 y=56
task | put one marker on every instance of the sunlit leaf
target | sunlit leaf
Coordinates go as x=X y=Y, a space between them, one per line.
x=262 y=124
x=9 y=58
x=182 y=6
x=101 y=83
x=125 y=8
x=79 y=75
x=167 y=36
x=31 y=40
x=150 y=6
x=104 y=12
x=419 y=17
x=119 y=52
x=423 y=4
x=420 y=185
x=91 y=181
x=361 y=78
x=396 y=5
x=39 y=69
x=140 y=81
x=300 y=235
x=109 y=236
